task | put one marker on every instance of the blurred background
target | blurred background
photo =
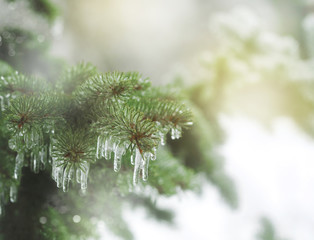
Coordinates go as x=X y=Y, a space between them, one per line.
x=247 y=69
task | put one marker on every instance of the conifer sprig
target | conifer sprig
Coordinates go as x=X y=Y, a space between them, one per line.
x=106 y=88
x=27 y=111
x=129 y=126
x=167 y=112
x=18 y=84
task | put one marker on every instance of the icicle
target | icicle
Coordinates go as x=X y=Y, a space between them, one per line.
x=28 y=139
x=19 y=161
x=43 y=157
x=154 y=154
x=137 y=165
x=2 y=200
x=119 y=151
x=144 y=165
x=50 y=151
x=66 y=179
x=163 y=135
x=71 y=173
x=54 y=170
x=84 y=175
x=109 y=146
x=2 y=103
x=13 y=193
x=35 y=161
x=99 y=147
x=163 y=139
x=1 y=205
x=78 y=175
x=59 y=176
x=57 y=172
x=132 y=159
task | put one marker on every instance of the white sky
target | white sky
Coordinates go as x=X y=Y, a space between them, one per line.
x=273 y=171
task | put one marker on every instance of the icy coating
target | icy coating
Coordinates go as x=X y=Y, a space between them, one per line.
x=29 y=141
x=63 y=171
x=107 y=145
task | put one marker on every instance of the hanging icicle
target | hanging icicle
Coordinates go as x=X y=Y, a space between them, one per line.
x=163 y=135
x=1 y=205
x=66 y=177
x=84 y=176
x=2 y=103
x=108 y=147
x=118 y=153
x=132 y=158
x=154 y=154
x=137 y=166
x=99 y=147
x=43 y=157
x=13 y=193
x=144 y=165
x=19 y=162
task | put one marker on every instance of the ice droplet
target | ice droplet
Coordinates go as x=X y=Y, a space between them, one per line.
x=13 y=193
x=19 y=162
x=137 y=165
x=189 y=123
x=154 y=154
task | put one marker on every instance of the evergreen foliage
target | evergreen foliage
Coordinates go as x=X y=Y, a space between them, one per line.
x=68 y=125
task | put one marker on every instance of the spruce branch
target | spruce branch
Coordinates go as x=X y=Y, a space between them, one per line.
x=117 y=109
